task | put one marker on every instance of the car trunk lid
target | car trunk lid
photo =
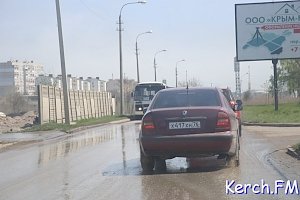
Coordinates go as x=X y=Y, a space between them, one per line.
x=185 y=120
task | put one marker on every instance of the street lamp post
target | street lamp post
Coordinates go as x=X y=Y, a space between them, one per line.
x=154 y=62
x=176 y=74
x=248 y=80
x=120 y=49
x=137 y=55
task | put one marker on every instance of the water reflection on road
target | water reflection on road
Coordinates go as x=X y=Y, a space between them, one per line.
x=103 y=163
x=74 y=144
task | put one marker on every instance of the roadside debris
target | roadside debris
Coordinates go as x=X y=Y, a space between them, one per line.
x=292 y=152
x=17 y=123
x=2 y=114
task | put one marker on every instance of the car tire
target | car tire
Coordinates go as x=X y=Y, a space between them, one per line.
x=160 y=164
x=147 y=162
x=234 y=160
x=237 y=154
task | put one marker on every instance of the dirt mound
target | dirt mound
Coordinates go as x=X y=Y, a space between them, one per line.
x=17 y=123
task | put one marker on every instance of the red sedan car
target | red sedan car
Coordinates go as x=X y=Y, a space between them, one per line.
x=236 y=105
x=188 y=122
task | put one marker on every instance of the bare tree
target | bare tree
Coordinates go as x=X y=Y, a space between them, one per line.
x=194 y=82
x=247 y=95
x=16 y=102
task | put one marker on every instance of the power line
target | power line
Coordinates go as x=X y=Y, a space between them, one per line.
x=91 y=10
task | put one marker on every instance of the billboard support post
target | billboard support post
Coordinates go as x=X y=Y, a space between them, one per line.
x=274 y=62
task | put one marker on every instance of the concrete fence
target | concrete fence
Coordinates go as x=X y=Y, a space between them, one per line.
x=82 y=104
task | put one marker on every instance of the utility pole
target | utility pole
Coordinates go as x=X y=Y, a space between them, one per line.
x=137 y=62
x=121 y=65
x=237 y=78
x=63 y=67
x=137 y=55
x=176 y=73
x=249 y=83
x=274 y=62
x=186 y=79
x=121 y=56
x=154 y=63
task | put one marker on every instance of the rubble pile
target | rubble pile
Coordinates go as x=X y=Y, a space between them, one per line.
x=17 y=123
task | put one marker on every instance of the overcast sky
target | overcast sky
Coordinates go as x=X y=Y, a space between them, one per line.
x=200 y=31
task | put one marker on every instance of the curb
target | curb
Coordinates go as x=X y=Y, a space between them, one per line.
x=96 y=125
x=272 y=124
x=291 y=151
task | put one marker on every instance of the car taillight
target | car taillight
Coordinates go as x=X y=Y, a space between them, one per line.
x=232 y=103
x=223 y=122
x=148 y=123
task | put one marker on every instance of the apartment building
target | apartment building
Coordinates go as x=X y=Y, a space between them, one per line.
x=73 y=83
x=84 y=84
x=19 y=76
x=97 y=84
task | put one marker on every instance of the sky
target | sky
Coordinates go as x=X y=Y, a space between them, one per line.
x=200 y=31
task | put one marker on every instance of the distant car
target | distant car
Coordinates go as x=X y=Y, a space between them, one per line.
x=188 y=122
x=236 y=105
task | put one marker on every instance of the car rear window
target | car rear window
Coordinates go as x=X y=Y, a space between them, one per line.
x=186 y=99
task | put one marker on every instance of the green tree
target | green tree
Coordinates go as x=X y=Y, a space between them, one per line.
x=291 y=75
x=281 y=81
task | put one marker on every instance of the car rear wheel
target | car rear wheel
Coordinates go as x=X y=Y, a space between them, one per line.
x=237 y=153
x=234 y=160
x=147 y=162
x=160 y=164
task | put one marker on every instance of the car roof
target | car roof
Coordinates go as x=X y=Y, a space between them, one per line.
x=190 y=89
x=169 y=97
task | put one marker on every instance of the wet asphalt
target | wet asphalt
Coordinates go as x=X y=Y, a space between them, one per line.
x=103 y=163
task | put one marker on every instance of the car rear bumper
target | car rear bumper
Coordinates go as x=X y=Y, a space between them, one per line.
x=187 y=145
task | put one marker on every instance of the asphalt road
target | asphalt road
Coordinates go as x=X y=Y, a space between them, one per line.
x=103 y=163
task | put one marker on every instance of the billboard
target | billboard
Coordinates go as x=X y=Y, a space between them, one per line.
x=266 y=31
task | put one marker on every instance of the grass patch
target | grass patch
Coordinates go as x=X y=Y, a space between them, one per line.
x=297 y=147
x=79 y=123
x=287 y=113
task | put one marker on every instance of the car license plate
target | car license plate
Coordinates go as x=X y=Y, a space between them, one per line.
x=184 y=125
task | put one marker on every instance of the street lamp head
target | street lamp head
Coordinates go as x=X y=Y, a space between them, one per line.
x=179 y=61
x=142 y=34
x=143 y=2
x=159 y=52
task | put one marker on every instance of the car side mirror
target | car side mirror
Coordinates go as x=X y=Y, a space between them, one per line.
x=233 y=105
x=239 y=104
